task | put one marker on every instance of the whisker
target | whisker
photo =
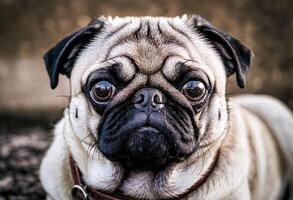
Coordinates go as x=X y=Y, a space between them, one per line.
x=63 y=96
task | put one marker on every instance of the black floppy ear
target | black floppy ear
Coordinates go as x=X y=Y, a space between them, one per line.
x=61 y=57
x=236 y=57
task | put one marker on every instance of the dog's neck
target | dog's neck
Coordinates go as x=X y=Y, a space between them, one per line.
x=82 y=191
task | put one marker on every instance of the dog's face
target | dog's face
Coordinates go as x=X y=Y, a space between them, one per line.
x=148 y=93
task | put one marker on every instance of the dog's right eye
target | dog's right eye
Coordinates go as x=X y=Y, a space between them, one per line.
x=103 y=91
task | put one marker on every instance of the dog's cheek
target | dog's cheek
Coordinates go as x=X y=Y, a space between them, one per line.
x=213 y=120
x=83 y=119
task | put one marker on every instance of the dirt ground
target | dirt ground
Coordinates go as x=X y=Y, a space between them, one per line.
x=21 y=152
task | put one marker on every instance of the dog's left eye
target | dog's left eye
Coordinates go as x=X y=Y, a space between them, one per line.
x=103 y=91
x=194 y=90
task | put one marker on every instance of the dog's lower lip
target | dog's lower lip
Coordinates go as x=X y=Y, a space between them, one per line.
x=148 y=128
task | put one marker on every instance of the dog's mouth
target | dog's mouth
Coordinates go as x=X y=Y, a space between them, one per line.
x=145 y=148
x=148 y=149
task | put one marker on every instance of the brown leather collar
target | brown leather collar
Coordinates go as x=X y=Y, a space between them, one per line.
x=80 y=191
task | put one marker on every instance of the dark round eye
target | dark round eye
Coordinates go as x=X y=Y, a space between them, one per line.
x=103 y=91
x=194 y=90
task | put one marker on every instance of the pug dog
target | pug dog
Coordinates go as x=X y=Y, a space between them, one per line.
x=149 y=118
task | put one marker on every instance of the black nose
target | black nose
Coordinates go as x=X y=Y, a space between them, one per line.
x=148 y=100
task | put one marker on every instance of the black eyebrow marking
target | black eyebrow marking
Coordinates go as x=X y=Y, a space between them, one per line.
x=149 y=34
x=181 y=69
x=117 y=30
x=115 y=69
x=159 y=27
x=136 y=32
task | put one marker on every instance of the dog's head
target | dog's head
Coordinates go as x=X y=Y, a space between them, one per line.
x=149 y=90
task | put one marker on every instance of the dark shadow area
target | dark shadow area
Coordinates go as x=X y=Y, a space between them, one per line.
x=24 y=137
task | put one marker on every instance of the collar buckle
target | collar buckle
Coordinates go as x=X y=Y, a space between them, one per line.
x=79 y=192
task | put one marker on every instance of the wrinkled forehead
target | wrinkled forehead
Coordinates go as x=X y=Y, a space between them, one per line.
x=146 y=45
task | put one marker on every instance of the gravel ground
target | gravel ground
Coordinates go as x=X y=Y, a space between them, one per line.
x=20 y=156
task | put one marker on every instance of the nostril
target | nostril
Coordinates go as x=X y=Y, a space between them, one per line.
x=158 y=99
x=148 y=100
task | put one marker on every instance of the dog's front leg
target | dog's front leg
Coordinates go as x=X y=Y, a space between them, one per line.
x=54 y=171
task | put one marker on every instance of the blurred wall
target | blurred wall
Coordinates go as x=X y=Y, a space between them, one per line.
x=29 y=27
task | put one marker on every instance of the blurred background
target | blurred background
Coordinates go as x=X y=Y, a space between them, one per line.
x=29 y=108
